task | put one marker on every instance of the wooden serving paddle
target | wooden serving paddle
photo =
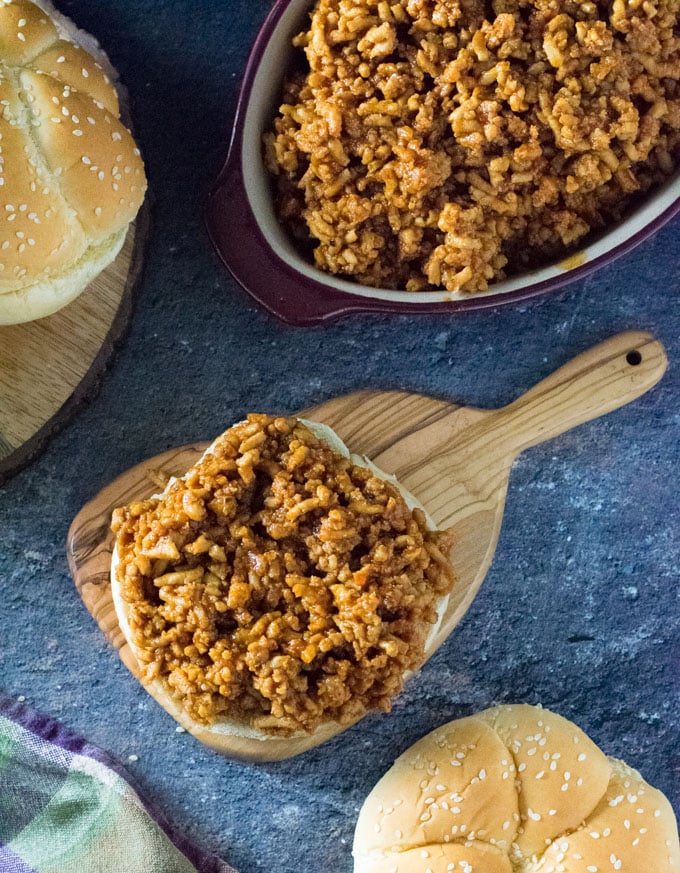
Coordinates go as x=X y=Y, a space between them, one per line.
x=456 y=460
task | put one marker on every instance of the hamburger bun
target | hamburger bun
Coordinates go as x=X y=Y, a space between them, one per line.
x=226 y=727
x=513 y=789
x=71 y=176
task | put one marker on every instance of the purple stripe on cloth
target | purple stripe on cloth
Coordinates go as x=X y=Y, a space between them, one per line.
x=11 y=863
x=48 y=728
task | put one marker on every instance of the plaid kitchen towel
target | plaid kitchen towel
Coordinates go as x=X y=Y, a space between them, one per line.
x=67 y=807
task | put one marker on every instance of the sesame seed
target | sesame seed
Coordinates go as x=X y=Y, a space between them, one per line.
x=84 y=73
x=77 y=133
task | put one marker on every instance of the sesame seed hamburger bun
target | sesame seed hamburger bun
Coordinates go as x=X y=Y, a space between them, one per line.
x=71 y=176
x=227 y=726
x=513 y=789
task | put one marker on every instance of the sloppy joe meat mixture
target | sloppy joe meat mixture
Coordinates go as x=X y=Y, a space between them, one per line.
x=425 y=144
x=277 y=583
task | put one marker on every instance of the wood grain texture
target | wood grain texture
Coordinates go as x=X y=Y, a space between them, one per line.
x=48 y=366
x=456 y=460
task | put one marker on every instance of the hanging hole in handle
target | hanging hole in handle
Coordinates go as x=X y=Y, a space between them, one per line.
x=634 y=358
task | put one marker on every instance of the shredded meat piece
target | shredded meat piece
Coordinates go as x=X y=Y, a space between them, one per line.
x=279 y=584
x=448 y=143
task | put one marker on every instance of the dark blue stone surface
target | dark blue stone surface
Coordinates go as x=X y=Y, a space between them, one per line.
x=580 y=608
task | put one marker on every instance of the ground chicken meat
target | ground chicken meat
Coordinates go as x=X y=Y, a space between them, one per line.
x=279 y=584
x=449 y=143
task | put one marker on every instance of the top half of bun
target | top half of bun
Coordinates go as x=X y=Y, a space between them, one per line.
x=71 y=175
x=514 y=788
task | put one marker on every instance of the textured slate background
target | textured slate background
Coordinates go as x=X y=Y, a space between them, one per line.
x=580 y=609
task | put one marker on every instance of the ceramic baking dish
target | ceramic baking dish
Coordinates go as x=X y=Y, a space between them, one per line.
x=244 y=229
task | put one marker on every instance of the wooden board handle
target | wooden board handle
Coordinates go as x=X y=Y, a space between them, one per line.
x=598 y=381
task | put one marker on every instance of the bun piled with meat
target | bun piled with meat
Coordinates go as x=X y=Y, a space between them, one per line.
x=280 y=588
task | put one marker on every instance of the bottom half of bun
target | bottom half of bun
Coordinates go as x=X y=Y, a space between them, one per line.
x=51 y=294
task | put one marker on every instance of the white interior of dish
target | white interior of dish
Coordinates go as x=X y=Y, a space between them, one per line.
x=261 y=109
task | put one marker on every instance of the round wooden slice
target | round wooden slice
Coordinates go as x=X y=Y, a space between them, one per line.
x=48 y=367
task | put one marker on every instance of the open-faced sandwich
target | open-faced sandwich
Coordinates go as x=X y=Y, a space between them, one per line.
x=279 y=585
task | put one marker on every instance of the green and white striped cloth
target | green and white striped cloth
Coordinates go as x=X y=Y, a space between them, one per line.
x=67 y=807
